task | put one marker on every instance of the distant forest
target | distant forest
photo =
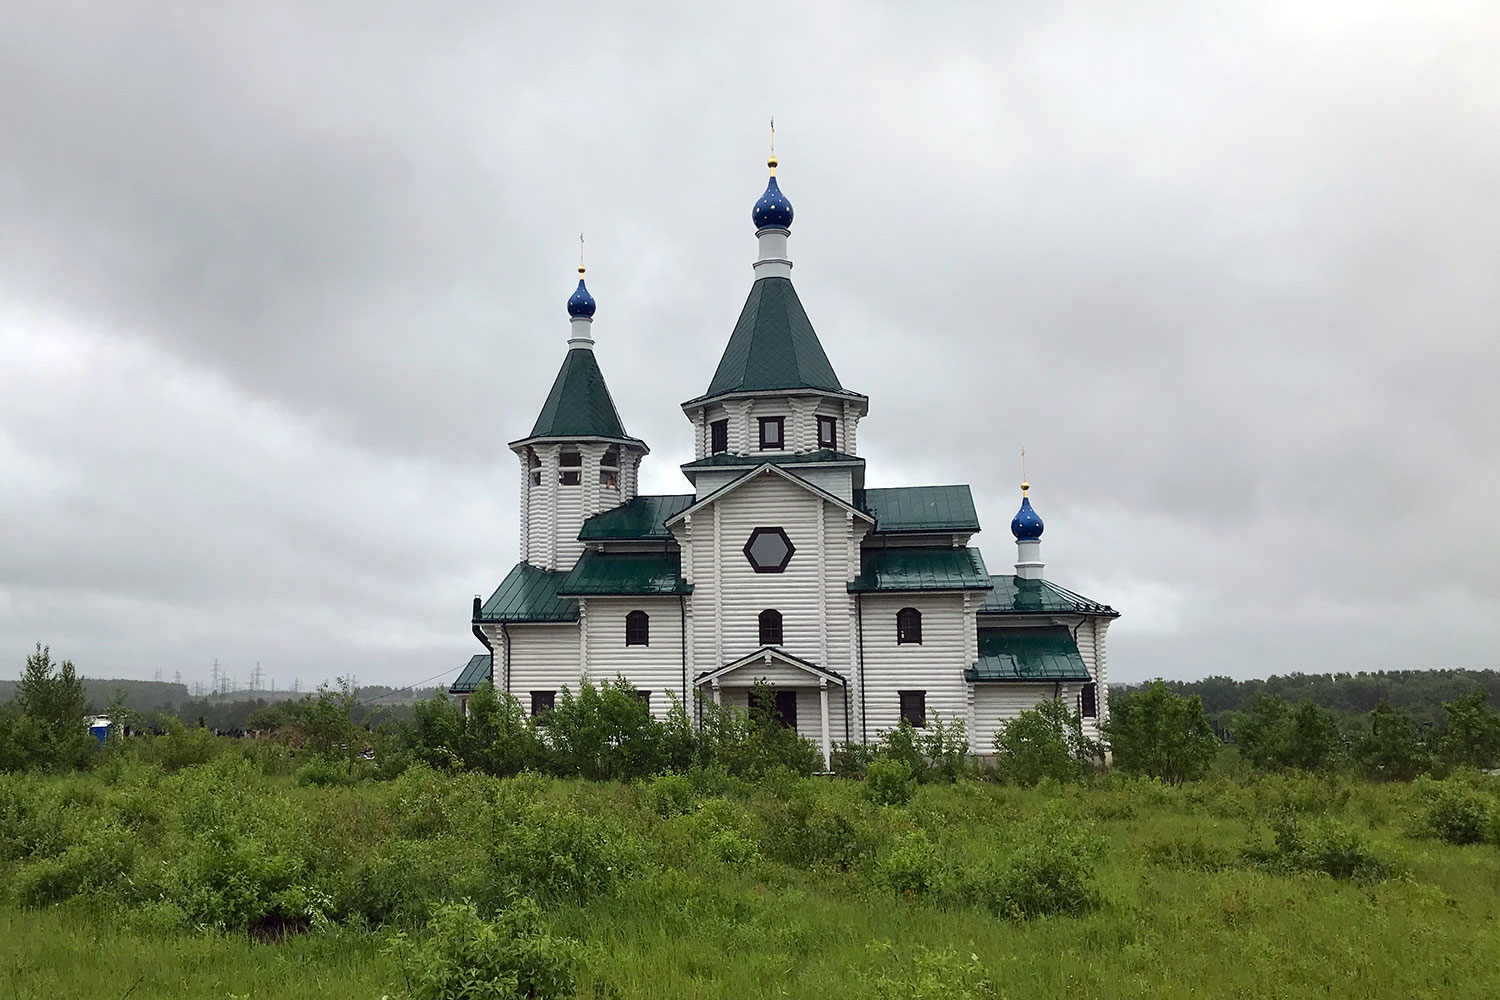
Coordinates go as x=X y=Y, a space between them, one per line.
x=1420 y=693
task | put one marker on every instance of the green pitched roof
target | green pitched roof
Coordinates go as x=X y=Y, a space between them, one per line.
x=920 y=569
x=725 y=460
x=528 y=594
x=773 y=346
x=1027 y=654
x=640 y=517
x=919 y=508
x=579 y=404
x=474 y=673
x=604 y=573
x=1015 y=596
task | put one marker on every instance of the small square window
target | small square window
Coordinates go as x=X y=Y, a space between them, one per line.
x=645 y=697
x=542 y=701
x=718 y=437
x=828 y=433
x=914 y=707
x=570 y=459
x=772 y=433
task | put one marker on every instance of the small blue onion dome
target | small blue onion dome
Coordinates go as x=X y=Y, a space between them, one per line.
x=1027 y=524
x=581 y=303
x=773 y=211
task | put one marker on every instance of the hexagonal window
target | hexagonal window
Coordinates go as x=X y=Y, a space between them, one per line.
x=769 y=550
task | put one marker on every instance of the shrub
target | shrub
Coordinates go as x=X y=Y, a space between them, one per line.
x=889 y=782
x=563 y=855
x=947 y=750
x=1161 y=735
x=805 y=830
x=929 y=975
x=911 y=868
x=94 y=863
x=1043 y=742
x=1453 y=812
x=1322 y=845
x=464 y=956
x=1193 y=854
x=1272 y=734
x=321 y=772
x=1472 y=738
x=671 y=795
x=851 y=759
x=1051 y=870
x=1392 y=749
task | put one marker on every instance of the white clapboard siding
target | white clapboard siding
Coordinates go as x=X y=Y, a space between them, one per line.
x=728 y=595
x=835 y=479
x=543 y=658
x=936 y=665
x=809 y=714
x=569 y=523
x=539 y=523
x=997 y=703
x=657 y=667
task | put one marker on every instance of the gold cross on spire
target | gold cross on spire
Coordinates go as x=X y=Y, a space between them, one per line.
x=771 y=161
x=1024 y=484
x=580 y=253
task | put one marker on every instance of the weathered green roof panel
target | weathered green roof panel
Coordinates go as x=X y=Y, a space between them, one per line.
x=920 y=569
x=474 y=673
x=773 y=346
x=528 y=594
x=1027 y=654
x=579 y=404
x=599 y=574
x=640 y=517
x=725 y=460
x=919 y=508
x=1015 y=596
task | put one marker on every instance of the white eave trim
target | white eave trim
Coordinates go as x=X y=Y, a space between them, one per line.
x=769 y=655
x=764 y=467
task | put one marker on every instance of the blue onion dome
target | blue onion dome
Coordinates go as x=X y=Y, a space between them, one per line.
x=581 y=303
x=1027 y=524
x=773 y=211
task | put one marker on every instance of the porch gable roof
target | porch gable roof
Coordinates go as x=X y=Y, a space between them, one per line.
x=770 y=654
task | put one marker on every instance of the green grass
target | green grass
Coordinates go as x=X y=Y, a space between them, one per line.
x=1185 y=912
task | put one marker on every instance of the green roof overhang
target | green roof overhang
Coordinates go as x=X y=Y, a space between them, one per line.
x=528 y=594
x=724 y=460
x=907 y=569
x=1028 y=655
x=603 y=574
x=914 y=509
x=1015 y=596
x=638 y=518
x=474 y=673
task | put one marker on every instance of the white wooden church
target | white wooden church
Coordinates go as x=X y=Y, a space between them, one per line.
x=858 y=606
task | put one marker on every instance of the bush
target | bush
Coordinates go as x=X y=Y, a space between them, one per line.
x=889 y=782
x=1161 y=735
x=1472 y=738
x=94 y=863
x=1392 y=749
x=911 y=868
x=1455 y=813
x=320 y=772
x=563 y=855
x=850 y=760
x=1051 y=870
x=929 y=975
x=1322 y=845
x=1272 y=734
x=671 y=795
x=464 y=956
x=1041 y=743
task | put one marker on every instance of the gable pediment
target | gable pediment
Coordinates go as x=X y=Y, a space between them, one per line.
x=767 y=473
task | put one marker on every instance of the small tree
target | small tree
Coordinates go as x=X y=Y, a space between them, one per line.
x=1160 y=734
x=1044 y=742
x=51 y=730
x=1272 y=735
x=498 y=737
x=1393 y=749
x=1472 y=738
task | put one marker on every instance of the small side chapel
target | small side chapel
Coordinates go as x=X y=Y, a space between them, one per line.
x=858 y=606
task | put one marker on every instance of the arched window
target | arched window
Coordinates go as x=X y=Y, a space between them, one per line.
x=770 y=627
x=637 y=629
x=909 y=626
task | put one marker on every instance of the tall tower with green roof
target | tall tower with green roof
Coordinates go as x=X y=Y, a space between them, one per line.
x=578 y=459
x=774 y=395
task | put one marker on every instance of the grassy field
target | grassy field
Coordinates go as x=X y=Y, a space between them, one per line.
x=219 y=881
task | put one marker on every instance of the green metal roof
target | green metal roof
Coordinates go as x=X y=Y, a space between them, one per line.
x=920 y=569
x=474 y=673
x=528 y=594
x=725 y=460
x=602 y=573
x=1015 y=596
x=1027 y=654
x=579 y=404
x=919 y=508
x=773 y=346
x=641 y=517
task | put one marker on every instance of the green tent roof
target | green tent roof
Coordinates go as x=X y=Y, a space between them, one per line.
x=474 y=673
x=528 y=594
x=773 y=346
x=579 y=404
x=725 y=460
x=919 y=508
x=1027 y=654
x=920 y=569
x=1015 y=596
x=640 y=517
x=604 y=573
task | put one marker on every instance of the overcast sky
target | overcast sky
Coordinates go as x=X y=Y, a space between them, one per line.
x=278 y=282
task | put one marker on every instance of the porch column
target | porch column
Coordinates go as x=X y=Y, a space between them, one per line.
x=823 y=710
x=715 y=683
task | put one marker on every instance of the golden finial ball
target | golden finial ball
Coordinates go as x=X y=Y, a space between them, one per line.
x=771 y=162
x=1025 y=486
x=580 y=269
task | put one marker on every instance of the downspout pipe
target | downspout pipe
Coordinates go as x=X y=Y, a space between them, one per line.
x=484 y=639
